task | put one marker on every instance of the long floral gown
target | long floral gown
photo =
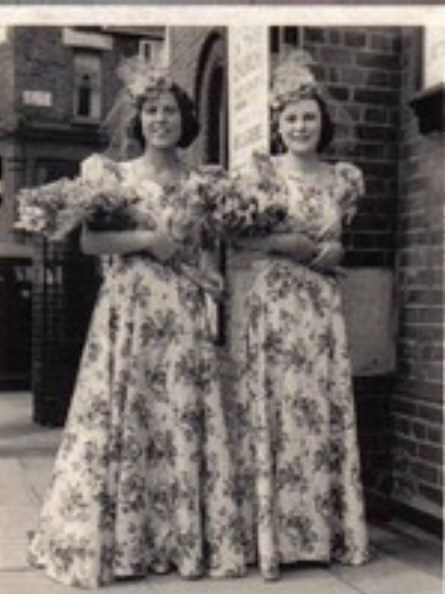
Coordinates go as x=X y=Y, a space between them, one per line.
x=142 y=480
x=295 y=434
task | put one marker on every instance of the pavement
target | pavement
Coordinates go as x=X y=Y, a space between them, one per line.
x=405 y=560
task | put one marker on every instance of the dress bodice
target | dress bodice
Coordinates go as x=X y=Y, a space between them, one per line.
x=318 y=205
x=159 y=207
x=151 y=199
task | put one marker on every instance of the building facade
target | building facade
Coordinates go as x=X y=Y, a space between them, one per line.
x=57 y=85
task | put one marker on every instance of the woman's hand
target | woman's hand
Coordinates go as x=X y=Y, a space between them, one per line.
x=162 y=246
x=297 y=246
x=213 y=283
x=254 y=244
x=158 y=243
x=329 y=256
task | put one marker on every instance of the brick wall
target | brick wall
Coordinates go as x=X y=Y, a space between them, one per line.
x=361 y=68
x=188 y=46
x=7 y=85
x=49 y=144
x=417 y=402
x=43 y=63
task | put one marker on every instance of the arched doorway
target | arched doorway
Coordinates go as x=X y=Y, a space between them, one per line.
x=211 y=94
x=212 y=103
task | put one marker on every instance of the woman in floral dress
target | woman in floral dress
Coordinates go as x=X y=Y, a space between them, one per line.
x=142 y=481
x=299 y=474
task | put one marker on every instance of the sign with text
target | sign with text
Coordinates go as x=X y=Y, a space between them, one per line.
x=38 y=98
x=434 y=56
x=248 y=93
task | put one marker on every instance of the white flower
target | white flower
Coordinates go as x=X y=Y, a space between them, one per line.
x=98 y=169
x=292 y=79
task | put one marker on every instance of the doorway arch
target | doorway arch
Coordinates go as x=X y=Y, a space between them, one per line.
x=211 y=94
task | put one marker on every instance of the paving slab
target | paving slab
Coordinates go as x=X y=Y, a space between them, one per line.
x=410 y=545
x=388 y=575
x=293 y=581
x=38 y=473
x=15 y=490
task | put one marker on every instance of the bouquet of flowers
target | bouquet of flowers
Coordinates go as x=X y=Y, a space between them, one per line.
x=222 y=205
x=97 y=198
x=266 y=191
x=350 y=188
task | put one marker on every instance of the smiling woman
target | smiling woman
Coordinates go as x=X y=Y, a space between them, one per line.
x=298 y=465
x=300 y=125
x=161 y=121
x=143 y=481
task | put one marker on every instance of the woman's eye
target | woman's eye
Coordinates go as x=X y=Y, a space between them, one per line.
x=170 y=110
x=150 y=110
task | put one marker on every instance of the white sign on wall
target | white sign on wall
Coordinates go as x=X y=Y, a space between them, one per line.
x=248 y=93
x=38 y=98
x=434 y=56
x=86 y=39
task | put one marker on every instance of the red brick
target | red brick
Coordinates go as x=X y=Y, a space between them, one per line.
x=314 y=34
x=402 y=443
x=419 y=430
x=334 y=55
x=426 y=472
x=349 y=76
x=378 y=78
x=372 y=151
x=433 y=494
x=375 y=97
x=435 y=435
x=334 y=35
x=378 y=61
x=376 y=115
x=404 y=406
x=384 y=43
x=355 y=39
x=380 y=133
x=430 y=453
x=402 y=426
x=291 y=35
x=430 y=413
x=339 y=92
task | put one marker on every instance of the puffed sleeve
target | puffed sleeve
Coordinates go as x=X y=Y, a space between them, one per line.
x=99 y=169
x=351 y=187
x=260 y=178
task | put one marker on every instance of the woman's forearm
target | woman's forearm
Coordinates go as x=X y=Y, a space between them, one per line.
x=99 y=243
x=297 y=246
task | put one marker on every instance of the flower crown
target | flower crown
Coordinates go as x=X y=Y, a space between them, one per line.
x=292 y=79
x=142 y=78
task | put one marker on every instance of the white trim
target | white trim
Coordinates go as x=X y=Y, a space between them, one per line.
x=16 y=250
x=249 y=128
x=86 y=39
x=434 y=56
x=38 y=98
x=4 y=34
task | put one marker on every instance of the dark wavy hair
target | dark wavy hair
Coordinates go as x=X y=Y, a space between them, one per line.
x=327 y=125
x=189 y=121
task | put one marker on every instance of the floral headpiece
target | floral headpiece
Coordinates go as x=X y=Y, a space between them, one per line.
x=292 y=79
x=141 y=78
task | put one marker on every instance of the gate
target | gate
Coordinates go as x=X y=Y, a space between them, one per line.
x=64 y=290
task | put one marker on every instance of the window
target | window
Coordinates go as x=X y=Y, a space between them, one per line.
x=154 y=50
x=1 y=181
x=87 y=86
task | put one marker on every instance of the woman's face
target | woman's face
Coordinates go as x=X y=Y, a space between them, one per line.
x=300 y=126
x=161 y=120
